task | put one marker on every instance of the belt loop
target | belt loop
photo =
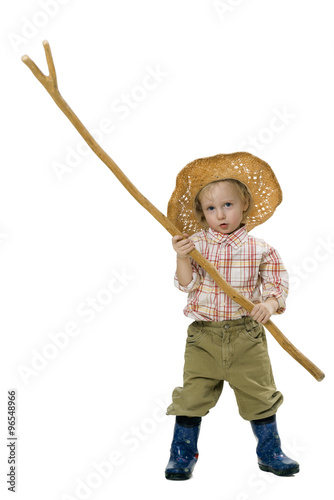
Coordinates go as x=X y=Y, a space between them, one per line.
x=248 y=323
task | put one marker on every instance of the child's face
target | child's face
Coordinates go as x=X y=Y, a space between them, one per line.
x=222 y=207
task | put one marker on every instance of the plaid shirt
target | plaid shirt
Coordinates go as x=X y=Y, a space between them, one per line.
x=246 y=263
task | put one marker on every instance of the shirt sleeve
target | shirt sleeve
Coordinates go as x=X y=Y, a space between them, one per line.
x=274 y=278
x=195 y=282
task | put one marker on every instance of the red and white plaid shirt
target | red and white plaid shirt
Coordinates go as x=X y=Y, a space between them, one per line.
x=246 y=263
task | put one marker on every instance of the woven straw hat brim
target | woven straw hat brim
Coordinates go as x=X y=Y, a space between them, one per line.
x=245 y=167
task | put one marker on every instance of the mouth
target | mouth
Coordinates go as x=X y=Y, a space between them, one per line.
x=224 y=225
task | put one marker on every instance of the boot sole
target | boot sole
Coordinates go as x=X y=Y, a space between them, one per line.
x=277 y=472
x=177 y=476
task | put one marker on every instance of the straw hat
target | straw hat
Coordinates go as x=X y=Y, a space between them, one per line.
x=255 y=173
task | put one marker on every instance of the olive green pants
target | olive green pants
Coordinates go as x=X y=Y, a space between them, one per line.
x=234 y=351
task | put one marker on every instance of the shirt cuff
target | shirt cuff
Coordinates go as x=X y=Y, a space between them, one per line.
x=195 y=282
x=281 y=302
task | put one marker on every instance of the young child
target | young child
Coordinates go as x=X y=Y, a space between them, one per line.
x=220 y=199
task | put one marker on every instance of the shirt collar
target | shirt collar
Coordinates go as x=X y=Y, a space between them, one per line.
x=234 y=239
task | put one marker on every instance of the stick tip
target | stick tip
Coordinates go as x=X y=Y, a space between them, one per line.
x=25 y=59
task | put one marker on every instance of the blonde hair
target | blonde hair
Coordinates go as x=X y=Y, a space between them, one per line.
x=243 y=192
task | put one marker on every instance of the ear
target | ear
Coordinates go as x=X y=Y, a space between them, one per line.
x=246 y=206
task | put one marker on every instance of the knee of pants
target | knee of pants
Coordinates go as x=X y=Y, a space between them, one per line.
x=196 y=399
x=254 y=409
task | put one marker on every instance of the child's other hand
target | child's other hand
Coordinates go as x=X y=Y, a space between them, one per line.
x=262 y=312
x=182 y=246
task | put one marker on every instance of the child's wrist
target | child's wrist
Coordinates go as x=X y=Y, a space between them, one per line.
x=182 y=257
x=273 y=303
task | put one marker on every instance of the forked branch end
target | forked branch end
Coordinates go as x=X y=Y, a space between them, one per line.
x=49 y=81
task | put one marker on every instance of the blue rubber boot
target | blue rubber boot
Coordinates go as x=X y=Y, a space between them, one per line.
x=270 y=455
x=183 y=453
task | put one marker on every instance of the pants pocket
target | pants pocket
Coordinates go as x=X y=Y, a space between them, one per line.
x=255 y=333
x=196 y=333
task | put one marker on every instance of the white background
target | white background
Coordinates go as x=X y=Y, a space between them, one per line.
x=90 y=412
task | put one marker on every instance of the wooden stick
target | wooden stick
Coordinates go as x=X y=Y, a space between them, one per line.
x=49 y=82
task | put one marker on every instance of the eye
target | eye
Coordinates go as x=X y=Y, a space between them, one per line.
x=210 y=209
x=228 y=205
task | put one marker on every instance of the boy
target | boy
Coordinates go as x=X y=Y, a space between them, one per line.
x=227 y=195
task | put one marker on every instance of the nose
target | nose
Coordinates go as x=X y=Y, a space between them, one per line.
x=220 y=213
